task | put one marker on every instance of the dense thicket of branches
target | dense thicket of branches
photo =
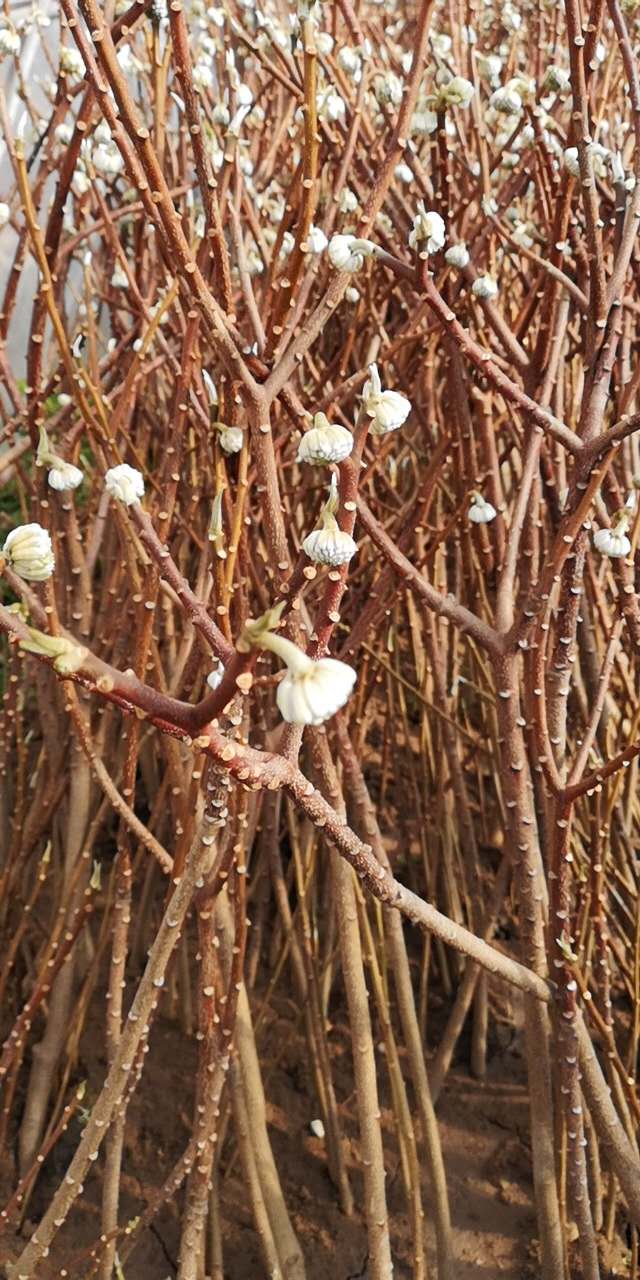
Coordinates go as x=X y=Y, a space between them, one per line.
x=184 y=187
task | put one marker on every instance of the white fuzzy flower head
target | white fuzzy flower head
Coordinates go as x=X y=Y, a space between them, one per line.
x=429 y=232
x=71 y=62
x=403 y=173
x=489 y=67
x=614 y=542
x=124 y=483
x=388 y=89
x=9 y=43
x=484 y=287
x=350 y=62
x=348 y=202
x=325 y=443
x=202 y=77
x=506 y=101
x=570 y=160
x=311 y=694
x=556 y=80
x=311 y=691
x=347 y=253
x=106 y=159
x=454 y=92
x=329 y=544
x=230 y=439
x=5 y=213
x=28 y=551
x=457 y=255
x=63 y=476
x=330 y=105
x=324 y=43
x=316 y=240
x=481 y=511
x=423 y=123
x=388 y=409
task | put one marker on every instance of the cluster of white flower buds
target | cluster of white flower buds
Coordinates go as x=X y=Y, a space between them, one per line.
x=311 y=691
x=28 y=551
x=124 y=483
x=330 y=544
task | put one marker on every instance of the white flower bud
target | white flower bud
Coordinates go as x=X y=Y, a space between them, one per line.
x=63 y=133
x=329 y=545
x=484 y=287
x=429 y=232
x=124 y=483
x=311 y=691
x=63 y=476
x=489 y=67
x=215 y=677
x=388 y=409
x=202 y=77
x=556 y=80
x=9 y=43
x=324 y=43
x=329 y=104
x=352 y=294
x=5 y=213
x=106 y=159
x=403 y=173
x=71 y=62
x=614 y=542
x=423 y=123
x=347 y=253
x=455 y=92
x=481 y=511
x=67 y=655
x=80 y=183
x=230 y=438
x=457 y=255
x=326 y=442
x=119 y=278
x=350 y=62
x=506 y=101
x=348 y=202
x=29 y=552
x=570 y=160
x=388 y=88
x=316 y=240
x=313 y=694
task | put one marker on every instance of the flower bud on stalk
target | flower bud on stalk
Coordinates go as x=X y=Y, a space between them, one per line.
x=481 y=511
x=614 y=542
x=62 y=476
x=329 y=544
x=311 y=691
x=324 y=443
x=388 y=409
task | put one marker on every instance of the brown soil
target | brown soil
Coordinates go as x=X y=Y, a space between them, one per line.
x=484 y=1131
